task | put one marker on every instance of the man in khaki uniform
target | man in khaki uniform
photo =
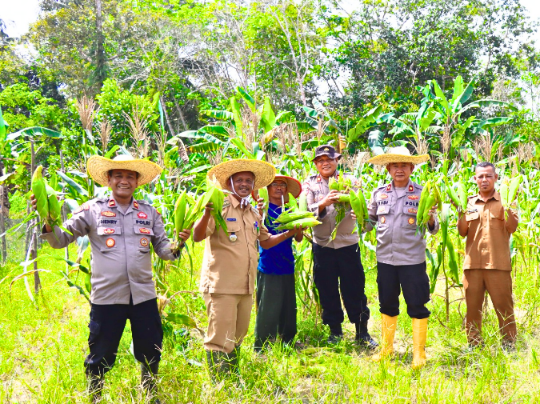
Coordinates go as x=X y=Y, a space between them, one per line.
x=230 y=259
x=488 y=226
x=337 y=265
x=401 y=250
x=120 y=230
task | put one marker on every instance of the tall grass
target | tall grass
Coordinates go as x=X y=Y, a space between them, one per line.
x=42 y=348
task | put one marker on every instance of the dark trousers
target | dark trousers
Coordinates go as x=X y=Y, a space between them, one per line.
x=276 y=308
x=335 y=270
x=107 y=324
x=414 y=282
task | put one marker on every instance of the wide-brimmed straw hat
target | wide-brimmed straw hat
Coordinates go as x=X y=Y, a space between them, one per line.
x=98 y=168
x=293 y=186
x=264 y=172
x=398 y=154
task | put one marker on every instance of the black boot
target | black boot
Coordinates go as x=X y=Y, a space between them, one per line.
x=219 y=365
x=362 y=336
x=148 y=380
x=336 y=333
x=233 y=358
x=95 y=387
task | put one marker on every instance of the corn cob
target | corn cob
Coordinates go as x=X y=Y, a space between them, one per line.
x=344 y=198
x=358 y=205
x=216 y=196
x=40 y=193
x=333 y=184
x=292 y=202
x=422 y=202
x=302 y=202
x=180 y=209
x=305 y=222
x=287 y=217
x=513 y=189
x=453 y=196
x=55 y=209
x=504 y=191
x=462 y=194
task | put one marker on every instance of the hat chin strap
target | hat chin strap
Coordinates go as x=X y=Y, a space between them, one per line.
x=243 y=201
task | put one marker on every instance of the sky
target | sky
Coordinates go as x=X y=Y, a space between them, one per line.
x=19 y=14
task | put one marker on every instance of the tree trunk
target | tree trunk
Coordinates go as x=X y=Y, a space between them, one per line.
x=100 y=73
x=64 y=207
x=37 y=281
x=180 y=114
x=164 y=107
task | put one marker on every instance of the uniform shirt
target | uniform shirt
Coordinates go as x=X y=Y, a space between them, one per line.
x=230 y=259
x=120 y=258
x=488 y=234
x=398 y=241
x=278 y=260
x=317 y=188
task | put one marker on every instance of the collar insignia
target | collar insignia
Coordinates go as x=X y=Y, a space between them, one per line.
x=142 y=215
x=112 y=203
x=411 y=188
x=135 y=205
x=389 y=187
x=108 y=213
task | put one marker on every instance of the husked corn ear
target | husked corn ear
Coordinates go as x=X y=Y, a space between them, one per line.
x=344 y=198
x=453 y=195
x=513 y=189
x=462 y=194
x=40 y=193
x=306 y=222
x=422 y=201
x=302 y=202
x=358 y=205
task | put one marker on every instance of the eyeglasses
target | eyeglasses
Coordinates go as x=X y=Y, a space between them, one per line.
x=276 y=185
x=319 y=161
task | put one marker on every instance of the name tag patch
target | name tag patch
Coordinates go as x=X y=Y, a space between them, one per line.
x=108 y=221
x=142 y=215
x=108 y=213
x=408 y=203
x=231 y=219
x=143 y=222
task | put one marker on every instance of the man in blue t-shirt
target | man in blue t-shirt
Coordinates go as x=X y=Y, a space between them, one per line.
x=276 y=297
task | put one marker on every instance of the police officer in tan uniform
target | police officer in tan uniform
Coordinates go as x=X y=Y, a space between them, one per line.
x=120 y=230
x=230 y=260
x=401 y=250
x=337 y=265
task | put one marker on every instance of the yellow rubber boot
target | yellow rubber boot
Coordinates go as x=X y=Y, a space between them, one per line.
x=387 y=341
x=419 y=326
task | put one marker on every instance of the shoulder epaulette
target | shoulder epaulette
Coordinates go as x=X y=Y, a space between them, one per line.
x=143 y=202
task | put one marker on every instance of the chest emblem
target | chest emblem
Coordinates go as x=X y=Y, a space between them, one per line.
x=109 y=231
x=412 y=210
x=233 y=237
x=144 y=230
x=413 y=197
x=110 y=242
x=136 y=204
x=411 y=220
x=112 y=203
x=142 y=215
x=383 y=219
x=383 y=196
x=144 y=242
x=108 y=213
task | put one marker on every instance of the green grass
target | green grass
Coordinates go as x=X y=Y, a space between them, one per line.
x=42 y=349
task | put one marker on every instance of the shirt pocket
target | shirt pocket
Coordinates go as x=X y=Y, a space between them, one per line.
x=496 y=218
x=469 y=217
x=144 y=235
x=383 y=215
x=233 y=231
x=409 y=217
x=108 y=238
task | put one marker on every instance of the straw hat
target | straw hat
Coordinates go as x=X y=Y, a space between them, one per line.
x=398 y=154
x=98 y=168
x=264 y=172
x=293 y=186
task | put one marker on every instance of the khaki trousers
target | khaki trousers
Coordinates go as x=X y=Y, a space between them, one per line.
x=228 y=320
x=499 y=286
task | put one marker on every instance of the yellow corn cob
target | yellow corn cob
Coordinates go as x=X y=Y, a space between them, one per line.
x=180 y=213
x=306 y=222
x=55 y=209
x=287 y=217
x=40 y=193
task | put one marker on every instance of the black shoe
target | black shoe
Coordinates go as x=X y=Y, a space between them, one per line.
x=334 y=338
x=362 y=336
x=95 y=387
x=148 y=380
x=508 y=346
